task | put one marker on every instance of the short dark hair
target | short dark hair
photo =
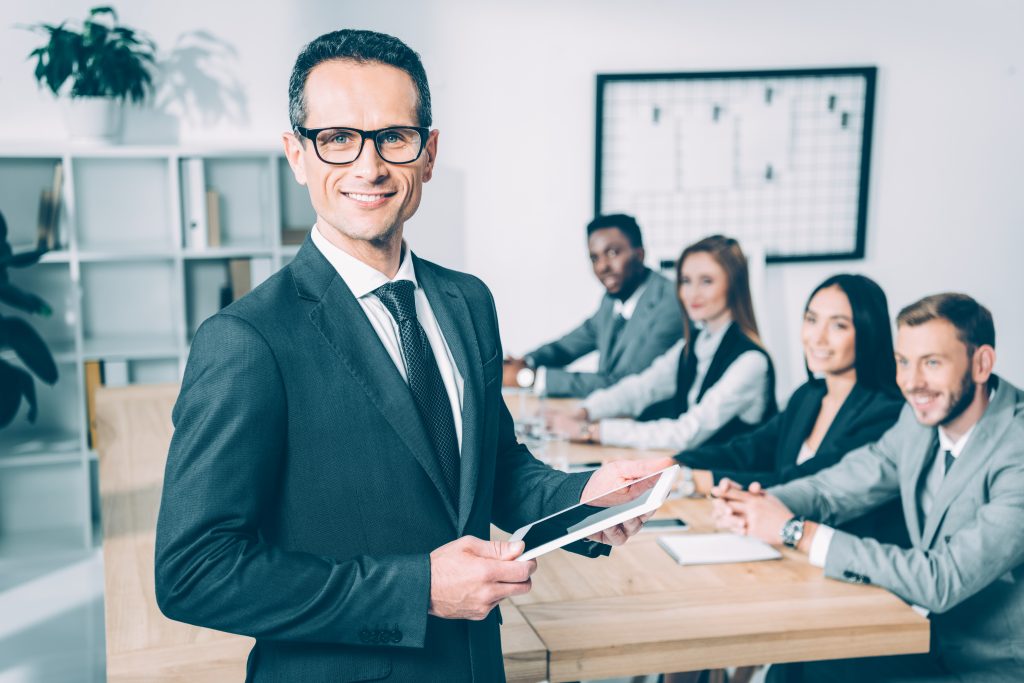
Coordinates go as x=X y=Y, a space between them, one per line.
x=874 y=361
x=973 y=322
x=361 y=47
x=626 y=224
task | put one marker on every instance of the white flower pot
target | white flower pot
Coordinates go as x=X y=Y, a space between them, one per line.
x=93 y=120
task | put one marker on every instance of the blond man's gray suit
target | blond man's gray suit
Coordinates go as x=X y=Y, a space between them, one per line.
x=966 y=565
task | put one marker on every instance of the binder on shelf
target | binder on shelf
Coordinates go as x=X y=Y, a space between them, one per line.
x=293 y=235
x=213 y=234
x=93 y=380
x=240 y=270
x=48 y=224
x=194 y=200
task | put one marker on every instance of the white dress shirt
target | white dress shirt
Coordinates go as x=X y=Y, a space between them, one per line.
x=739 y=392
x=362 y=280
x=624 y=308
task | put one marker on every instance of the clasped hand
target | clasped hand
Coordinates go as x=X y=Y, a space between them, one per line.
x=753 y=512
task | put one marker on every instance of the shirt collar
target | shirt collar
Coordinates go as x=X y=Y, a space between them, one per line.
x=360 y=278
x=627 y=307
x=707 y=342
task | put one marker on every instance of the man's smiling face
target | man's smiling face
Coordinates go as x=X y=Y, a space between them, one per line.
x=369 y=199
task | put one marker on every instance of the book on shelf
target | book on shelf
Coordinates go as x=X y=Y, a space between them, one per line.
x=240 y=270
x=213 y=236
x=101 y=373
x=93 y=381
x=48 y=224
x=194 y=203
x=293 y=235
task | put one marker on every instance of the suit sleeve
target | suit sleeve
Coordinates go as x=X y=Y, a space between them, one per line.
x=575 y=344
x=664 y=331
x=957 y=566
x=214 y=568
x=861 y=481
x=744 y=459
x=525 y=488
x=869 y=425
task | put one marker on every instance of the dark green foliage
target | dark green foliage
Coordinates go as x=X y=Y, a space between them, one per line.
x=103 y=59
x=18 y=335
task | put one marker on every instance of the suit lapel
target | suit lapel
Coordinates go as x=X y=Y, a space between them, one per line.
x=919 y=454
x=804 y=416
x=340 y=319
x=453 y=317
x=979 y=448
x=637 y=323
x=607 y=352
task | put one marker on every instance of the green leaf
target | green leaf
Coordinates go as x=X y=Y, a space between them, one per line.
x=26 y=301
x=31 y=349
x=23 y=260
x=15 y=383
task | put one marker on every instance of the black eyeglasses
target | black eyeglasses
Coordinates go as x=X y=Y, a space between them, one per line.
x=395 y=145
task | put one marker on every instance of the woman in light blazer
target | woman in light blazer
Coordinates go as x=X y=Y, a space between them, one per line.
x=716 y=383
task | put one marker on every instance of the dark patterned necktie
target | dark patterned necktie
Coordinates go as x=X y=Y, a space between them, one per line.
x=424 y=380
x=949 y=462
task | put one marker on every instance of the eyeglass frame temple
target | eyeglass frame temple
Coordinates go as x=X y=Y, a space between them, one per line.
x=311 y=133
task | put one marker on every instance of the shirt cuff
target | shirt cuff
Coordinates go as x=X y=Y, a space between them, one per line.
x=820 y=544
x=540 y=380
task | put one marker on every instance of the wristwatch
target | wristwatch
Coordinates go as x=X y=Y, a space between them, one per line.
x=792 y=532
x=526 y=377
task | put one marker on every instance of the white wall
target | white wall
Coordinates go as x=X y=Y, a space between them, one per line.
x=513 y=85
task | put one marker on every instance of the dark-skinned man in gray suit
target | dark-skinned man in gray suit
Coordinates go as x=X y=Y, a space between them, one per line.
x=638 y=320
x=955 y=458
x=341 y=445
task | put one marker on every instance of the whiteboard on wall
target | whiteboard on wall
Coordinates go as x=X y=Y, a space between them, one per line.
x=777 y=159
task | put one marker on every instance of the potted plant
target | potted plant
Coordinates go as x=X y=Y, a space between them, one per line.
x=94 y=69
x=16 y=334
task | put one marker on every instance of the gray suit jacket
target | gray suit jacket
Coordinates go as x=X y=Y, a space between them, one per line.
x=967 y=561
x=302 y=496
x=655 y=325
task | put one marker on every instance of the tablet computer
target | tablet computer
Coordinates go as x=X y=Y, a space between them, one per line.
x=596 y=514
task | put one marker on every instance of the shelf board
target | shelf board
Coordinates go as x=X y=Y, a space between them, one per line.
x=35 y=543
x=115 y=255
x=133 y=347
x=228 y=252
x=43 y=448
x=63 y=352
x=57 y=256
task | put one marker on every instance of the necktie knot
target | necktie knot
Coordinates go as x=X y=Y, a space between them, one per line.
x=398 y=298
x=950 y=459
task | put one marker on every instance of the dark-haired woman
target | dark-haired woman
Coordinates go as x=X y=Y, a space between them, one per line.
x=850 y=399
x=716 y=383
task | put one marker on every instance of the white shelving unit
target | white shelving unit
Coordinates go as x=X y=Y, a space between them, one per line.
x=123 y=287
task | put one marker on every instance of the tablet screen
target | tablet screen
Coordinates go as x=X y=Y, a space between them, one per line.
x=594 y=510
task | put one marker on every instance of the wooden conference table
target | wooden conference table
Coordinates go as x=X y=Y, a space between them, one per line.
x=638 y=611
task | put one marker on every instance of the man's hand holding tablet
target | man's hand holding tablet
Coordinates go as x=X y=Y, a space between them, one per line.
x=612 y=477
x=616 y=502
x=470 y=576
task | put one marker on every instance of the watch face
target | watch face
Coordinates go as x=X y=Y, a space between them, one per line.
x=792 y=532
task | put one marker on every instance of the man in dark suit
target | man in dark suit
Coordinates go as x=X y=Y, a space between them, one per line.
x=341 y=446
x=638 y=319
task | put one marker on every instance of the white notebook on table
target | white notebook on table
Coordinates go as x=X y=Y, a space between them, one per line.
x=716 y=548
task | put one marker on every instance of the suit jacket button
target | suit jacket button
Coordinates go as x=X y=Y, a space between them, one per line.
x=396 y=636
x=364 y=636
x=847 y=574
